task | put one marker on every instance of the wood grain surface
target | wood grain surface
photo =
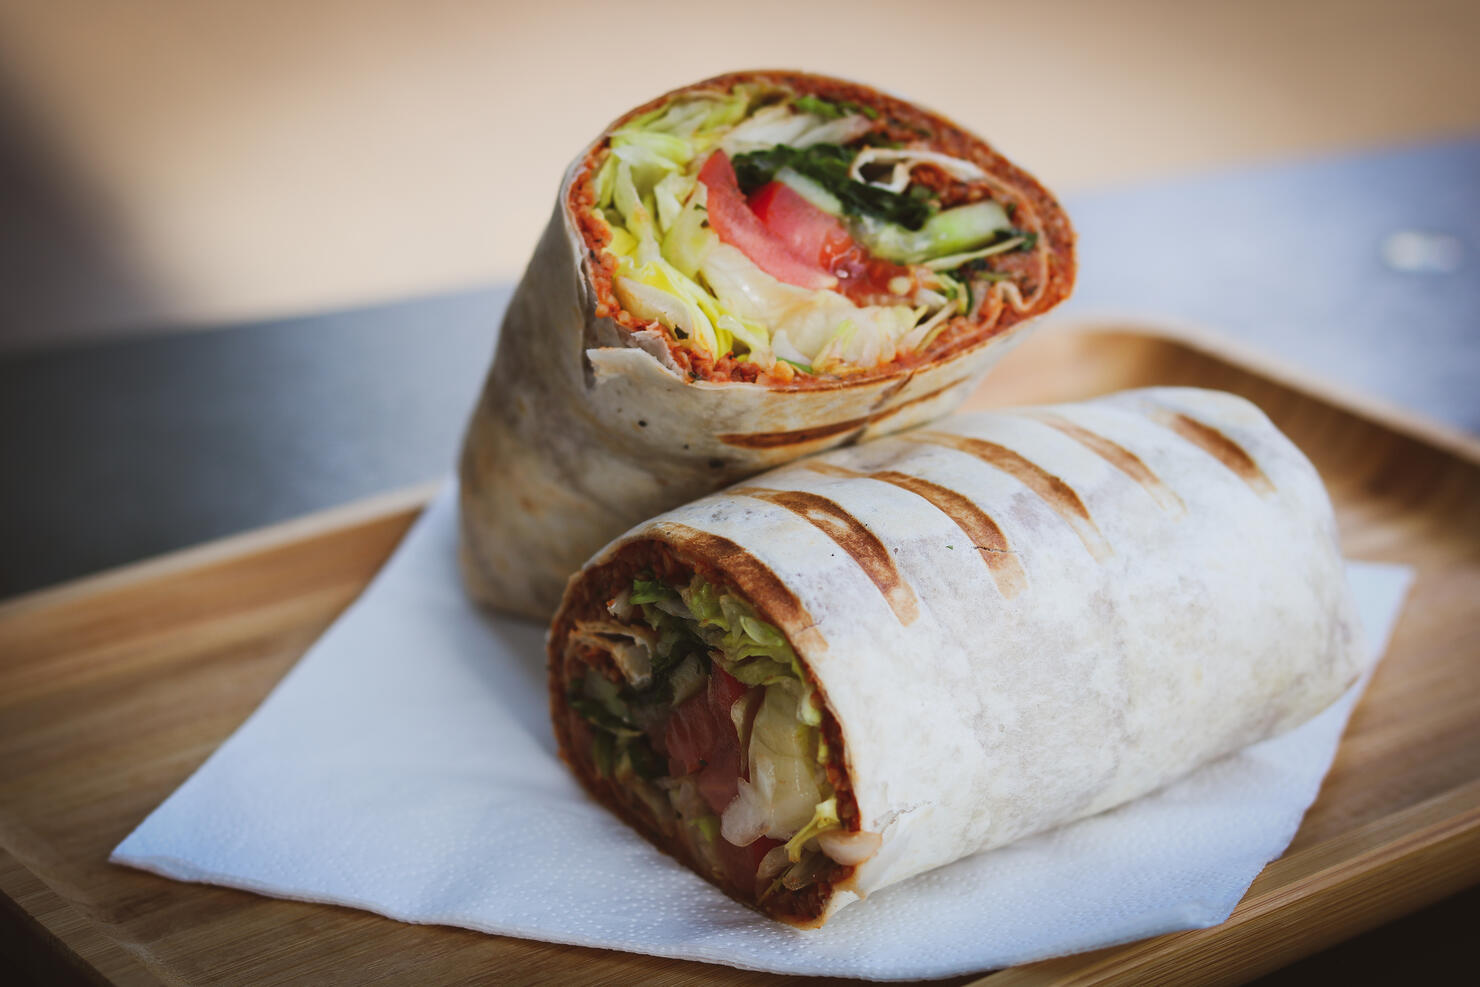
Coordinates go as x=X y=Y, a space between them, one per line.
x=114 y=689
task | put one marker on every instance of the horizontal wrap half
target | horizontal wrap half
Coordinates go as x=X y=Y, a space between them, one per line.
x=1012 y=620
x=591 y=420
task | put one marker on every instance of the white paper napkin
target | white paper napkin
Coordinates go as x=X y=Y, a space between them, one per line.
x=406 y=766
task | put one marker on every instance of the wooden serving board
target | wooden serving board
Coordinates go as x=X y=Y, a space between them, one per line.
x=115 y=688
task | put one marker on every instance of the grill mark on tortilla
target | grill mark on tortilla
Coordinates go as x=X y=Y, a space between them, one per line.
x=897 y=408
x=1116 y=455
x=776 y=440
x=853 y=537
x=765 y=591
x=888 y=393
x=976 y=524
x=1216 y=444
x=1055 y=492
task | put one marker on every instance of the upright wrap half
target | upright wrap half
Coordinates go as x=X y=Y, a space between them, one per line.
x=867 y=664
x=752 y=268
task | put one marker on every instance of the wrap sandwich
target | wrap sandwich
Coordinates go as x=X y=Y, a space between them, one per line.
x=873 y=662
x=755 y=267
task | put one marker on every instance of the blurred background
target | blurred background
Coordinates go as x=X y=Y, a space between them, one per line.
x=177 y=164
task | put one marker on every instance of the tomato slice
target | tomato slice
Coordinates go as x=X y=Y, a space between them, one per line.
x=813 y=234
x=700 y=737
x=689 y=736
x=724 y=691
x=719 y=782
x=806 y=230
x=732 y=218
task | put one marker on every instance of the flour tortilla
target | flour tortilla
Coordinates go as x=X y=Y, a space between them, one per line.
x=1022 y=618
x=584 y=427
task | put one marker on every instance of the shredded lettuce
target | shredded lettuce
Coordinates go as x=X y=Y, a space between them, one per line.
x=748 y=648
x=650 y=591
x=784 y=772
x=688 y=237
x=824 y=817
x=622 y=243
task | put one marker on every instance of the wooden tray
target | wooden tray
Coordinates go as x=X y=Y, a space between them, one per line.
x=115 y=688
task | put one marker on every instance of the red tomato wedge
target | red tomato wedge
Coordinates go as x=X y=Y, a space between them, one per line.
x=689 y=736
x=724 y=691
x=807 y=231
x=815 y=235
x=719 y=782
x=700 y=737
x=732 y=218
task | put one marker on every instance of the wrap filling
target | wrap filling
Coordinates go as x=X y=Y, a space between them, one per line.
x=769 y=233
x=694 y=714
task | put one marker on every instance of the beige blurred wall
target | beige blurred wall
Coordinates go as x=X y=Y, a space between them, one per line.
x=216 y=161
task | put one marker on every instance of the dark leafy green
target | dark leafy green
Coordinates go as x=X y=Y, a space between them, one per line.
x=827 y=165
x=598 y=715
x=645 y=762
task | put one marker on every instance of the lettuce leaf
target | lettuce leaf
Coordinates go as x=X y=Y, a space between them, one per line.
x=650 y=591
x=823 y=818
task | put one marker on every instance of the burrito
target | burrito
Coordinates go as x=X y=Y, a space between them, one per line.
x=749 y=269
x=870 y=663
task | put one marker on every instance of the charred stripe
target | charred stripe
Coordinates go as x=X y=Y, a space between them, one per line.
x=1215 y=444
x=1116 y=455
x=1054 y=492
x=976 y=524
x=771 y=597
x=853 y=537
x=800 y=436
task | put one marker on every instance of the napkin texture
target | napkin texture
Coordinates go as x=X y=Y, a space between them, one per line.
x=406 y=766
